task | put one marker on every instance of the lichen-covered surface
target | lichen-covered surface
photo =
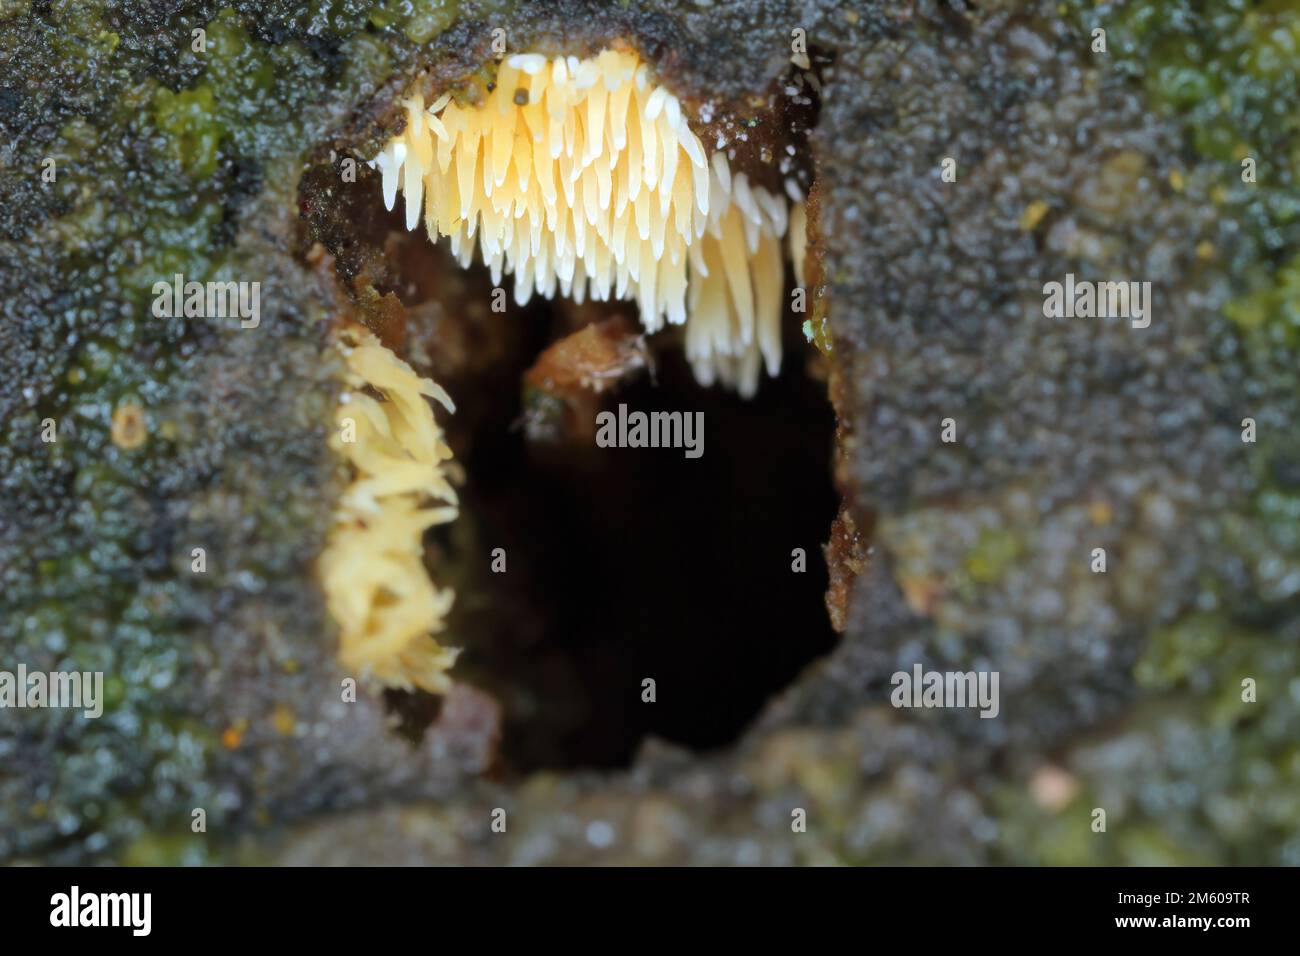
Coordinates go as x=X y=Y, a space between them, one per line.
x=1119 y=690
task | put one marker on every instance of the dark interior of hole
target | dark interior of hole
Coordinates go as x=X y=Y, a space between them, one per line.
x=621 y=564
x=641 y=563
x=625 y=564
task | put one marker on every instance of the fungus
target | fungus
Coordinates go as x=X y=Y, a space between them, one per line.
x=376 y=586
x=585 y=176
x=129 y=429
x=578 y=179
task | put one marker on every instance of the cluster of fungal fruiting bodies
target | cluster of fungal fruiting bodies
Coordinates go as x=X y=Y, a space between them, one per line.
x=577 y=176
x=585 y=177
x=372 y=570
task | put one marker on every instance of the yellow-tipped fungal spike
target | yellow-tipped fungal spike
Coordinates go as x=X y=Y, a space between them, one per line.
x=583 y=175
x=386 y=607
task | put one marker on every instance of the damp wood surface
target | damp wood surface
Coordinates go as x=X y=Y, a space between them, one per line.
x=1071 y=436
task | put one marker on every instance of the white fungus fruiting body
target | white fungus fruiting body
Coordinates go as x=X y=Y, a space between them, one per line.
x=583 y=175
x=372 y=570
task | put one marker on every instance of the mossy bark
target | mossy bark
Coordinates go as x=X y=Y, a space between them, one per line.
x=222 y=687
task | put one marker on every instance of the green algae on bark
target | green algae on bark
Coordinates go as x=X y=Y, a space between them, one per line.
x=173 y=161
x=166 y=160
